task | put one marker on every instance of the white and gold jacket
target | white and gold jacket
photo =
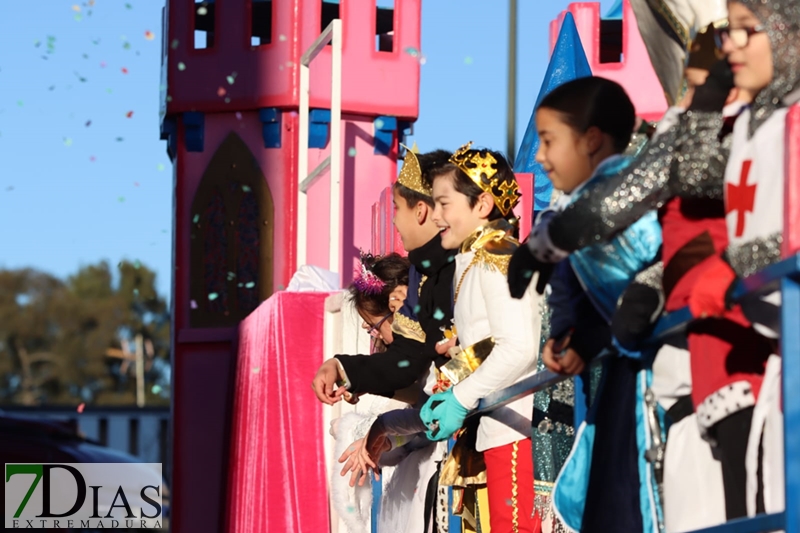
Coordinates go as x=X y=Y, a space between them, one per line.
x=484 y=308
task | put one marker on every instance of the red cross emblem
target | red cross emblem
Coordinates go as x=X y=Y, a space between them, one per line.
x=741 y=197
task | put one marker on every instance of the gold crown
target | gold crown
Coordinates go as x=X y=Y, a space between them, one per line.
x=482 y=170
x=411 y=173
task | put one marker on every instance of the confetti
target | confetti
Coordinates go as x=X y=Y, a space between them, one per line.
x=126 y=46
x=108 y=90
x=80 y=408
x=231 y=276
x=467 y=60
x=416 y=54
x=238 y=116
x=221 y=92
x=438 y=314
x=128 y=6
x=95 y=41
x=160 y=167
x=102 y=64
x=227 y=100
x=351 y=509
x=80 y=78
x=37 y=43
x=20 y=103
x=250 y=284
x=195 y=219
x=528 y=274
x=403 y=364
x=137 y=264
x=156 y=389
x=76 y=7
x=281 y=37
x=351 y=151
x=149 y=35
x=230 y=79
x=290 y=63
x=417 y=308
x=245 y=188
x=124 y=70
x=174 y=44
x=136 y=292
x=120 y=139
x=256 y=370
x=181 y=66
x=86 y=56
x=78 y=18
x=121 y=199
x=202 y=11
x=451 y=259
x=193 y=304
x=51 y=88
x=213 y=296
x=92 y=158
x=67 y=141
x=425 y=263
x=378 y=124
x=135 y=183
x=129 y=114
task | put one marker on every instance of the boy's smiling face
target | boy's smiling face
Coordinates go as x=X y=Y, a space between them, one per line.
x=453 y=214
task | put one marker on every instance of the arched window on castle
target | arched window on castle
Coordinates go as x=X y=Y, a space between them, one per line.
x=231 y=238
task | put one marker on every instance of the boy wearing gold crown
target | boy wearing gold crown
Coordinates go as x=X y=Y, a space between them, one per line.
x=474 y=196
x=427 y=309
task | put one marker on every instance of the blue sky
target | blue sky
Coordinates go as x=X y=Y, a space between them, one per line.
x=81 y=181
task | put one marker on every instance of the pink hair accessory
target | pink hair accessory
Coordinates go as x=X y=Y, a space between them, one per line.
x=366 y=281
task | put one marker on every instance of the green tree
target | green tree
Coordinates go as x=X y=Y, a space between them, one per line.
x=55 y=335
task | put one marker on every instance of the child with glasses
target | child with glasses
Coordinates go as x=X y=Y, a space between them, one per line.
x=378 y=292
x=762 y=45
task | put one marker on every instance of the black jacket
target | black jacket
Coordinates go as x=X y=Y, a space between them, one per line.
x=429 y=302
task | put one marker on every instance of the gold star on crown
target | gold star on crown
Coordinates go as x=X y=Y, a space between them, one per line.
x=411 y=173
x=481 y=167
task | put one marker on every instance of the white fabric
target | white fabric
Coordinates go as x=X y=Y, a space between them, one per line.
x=354 y=504
x=403 y=500
x=694 y=497
x=310 y=278
x=764 y=152
x=484 y=309
x=767 y=428
x=672 y=375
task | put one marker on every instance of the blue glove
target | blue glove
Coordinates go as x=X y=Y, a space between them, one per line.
x=443 y=415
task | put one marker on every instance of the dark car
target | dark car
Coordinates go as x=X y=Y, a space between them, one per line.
x=25 y=439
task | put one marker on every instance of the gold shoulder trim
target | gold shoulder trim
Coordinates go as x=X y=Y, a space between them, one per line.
x=493 y=261
x=410 y=329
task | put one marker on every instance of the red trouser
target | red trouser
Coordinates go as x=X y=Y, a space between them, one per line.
x=509 y=486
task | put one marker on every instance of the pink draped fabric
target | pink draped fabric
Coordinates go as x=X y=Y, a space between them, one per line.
x=277 y=470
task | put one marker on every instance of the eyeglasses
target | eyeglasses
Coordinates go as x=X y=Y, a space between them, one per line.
x=373 y=331
x=738 y=36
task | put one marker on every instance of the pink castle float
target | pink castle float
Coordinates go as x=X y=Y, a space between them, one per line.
x=254 y=167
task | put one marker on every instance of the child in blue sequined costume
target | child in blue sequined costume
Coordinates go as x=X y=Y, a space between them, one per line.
x=584 y=126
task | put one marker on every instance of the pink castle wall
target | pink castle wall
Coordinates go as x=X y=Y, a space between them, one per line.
x=634 y=72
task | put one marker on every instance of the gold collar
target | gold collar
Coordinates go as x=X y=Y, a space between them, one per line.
x=497 y=235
